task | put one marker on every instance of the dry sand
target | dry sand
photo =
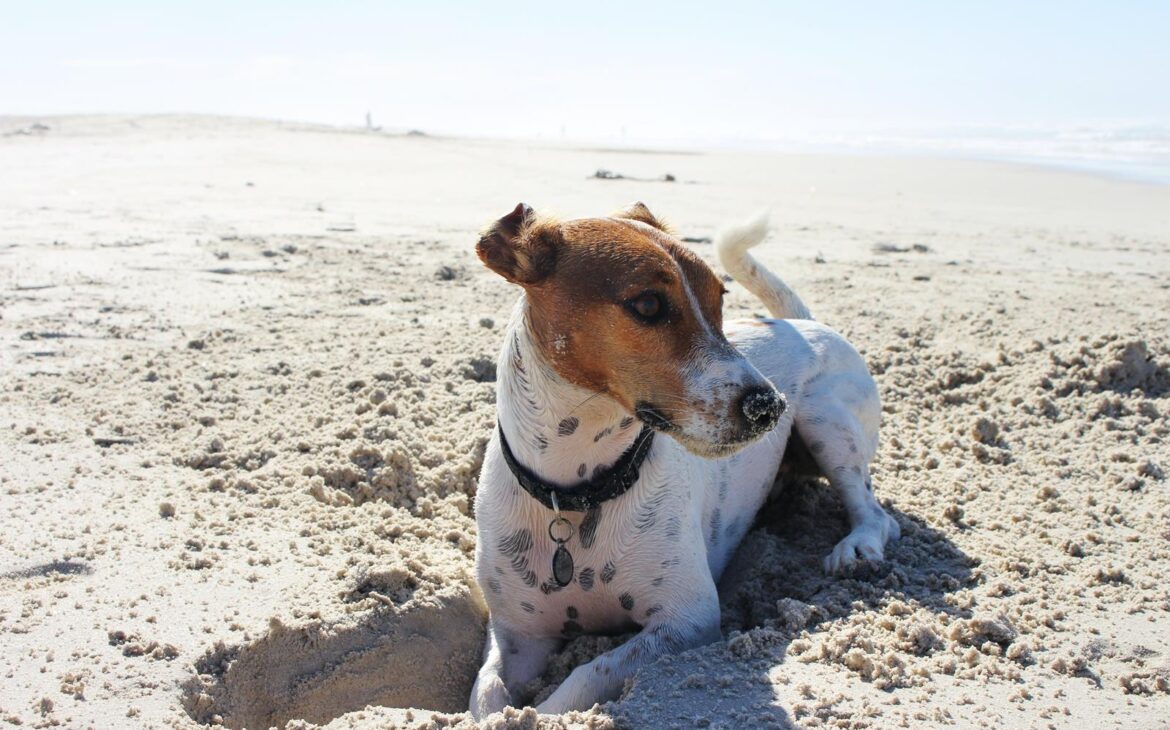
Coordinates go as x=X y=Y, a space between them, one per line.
x=246 y=379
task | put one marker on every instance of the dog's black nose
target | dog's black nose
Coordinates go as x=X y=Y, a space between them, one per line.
x=761 y=407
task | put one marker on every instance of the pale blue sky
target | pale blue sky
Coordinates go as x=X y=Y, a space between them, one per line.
x=679 y=71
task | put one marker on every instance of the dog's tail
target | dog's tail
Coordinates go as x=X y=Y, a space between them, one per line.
x=732 y=246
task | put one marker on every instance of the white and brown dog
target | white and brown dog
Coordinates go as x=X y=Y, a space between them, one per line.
x=637 y=440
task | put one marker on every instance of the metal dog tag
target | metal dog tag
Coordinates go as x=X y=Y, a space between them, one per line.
x=562 y=566
x=562 y=562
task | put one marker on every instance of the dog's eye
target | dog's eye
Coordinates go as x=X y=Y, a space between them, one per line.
x=647 y=306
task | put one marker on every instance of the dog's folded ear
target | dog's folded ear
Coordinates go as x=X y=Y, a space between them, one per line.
x=639 y=212
x=520 y=247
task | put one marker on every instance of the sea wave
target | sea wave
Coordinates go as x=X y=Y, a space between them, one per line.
x=1140 y=153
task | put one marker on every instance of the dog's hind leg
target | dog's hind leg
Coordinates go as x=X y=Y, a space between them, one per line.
x=842 y=449
x=871 y=529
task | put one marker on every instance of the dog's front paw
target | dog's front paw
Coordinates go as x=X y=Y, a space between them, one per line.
x=563 y=699
x=867 y=541
x=488 y=695
x=553 y=706
x=585 y=686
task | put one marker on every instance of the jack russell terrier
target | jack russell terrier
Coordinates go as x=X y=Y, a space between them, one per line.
x=637 y=438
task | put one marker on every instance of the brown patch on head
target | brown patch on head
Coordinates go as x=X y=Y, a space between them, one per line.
x=584 y=321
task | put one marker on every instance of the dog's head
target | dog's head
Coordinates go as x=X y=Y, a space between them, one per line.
x=619 y=306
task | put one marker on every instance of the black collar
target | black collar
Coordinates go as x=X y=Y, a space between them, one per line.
x=604 y=485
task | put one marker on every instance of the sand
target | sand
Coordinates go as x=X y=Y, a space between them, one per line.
x=246 y=380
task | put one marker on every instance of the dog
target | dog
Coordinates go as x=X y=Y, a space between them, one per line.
x=637 y=438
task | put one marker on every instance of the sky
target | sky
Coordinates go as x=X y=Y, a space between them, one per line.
x=702 y=72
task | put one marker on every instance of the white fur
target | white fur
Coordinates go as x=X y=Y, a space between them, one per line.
x=669 y=537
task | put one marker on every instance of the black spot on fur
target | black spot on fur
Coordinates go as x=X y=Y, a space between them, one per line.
x=541 y=443
x=517 y=359
x=572 y=629
x=603 y=433
x=716 y=521
x=520 y=564
x=608 y=572
x=670 y=562
x=658 y=581
x=515 y=543
x=571 y=612
x=673 y=527
x=647 y=514
x=550 y=585
x=653 y=610
x=671 y=640
x=527 y=607
x=581 y=471
x=568 y=426
x=588 y=529
x=585 y=579
x=637 y=649
x=627 y=601
x=627 y=422
x=514 y=546
x=494 y=585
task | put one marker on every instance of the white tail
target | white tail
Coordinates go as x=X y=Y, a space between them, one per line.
x=732 y=246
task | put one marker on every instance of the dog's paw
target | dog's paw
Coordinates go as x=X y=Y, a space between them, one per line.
x=563 y=699
x=867 y=541
x=553 y=706
x=488 y=695
x=893 y=529
x=584 y=686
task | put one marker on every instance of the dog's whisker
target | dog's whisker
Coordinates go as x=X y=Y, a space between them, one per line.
x=582 y=403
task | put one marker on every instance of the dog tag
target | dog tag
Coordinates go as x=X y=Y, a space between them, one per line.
x=562 y=566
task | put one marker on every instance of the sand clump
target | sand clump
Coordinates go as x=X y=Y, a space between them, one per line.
x=242 y=436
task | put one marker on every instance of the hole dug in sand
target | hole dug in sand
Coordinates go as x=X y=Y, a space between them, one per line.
x=424 y=655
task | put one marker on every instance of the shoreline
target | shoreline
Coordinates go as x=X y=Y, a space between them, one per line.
x=1120 y=169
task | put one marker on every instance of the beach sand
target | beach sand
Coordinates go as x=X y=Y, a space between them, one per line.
x=246 y=381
